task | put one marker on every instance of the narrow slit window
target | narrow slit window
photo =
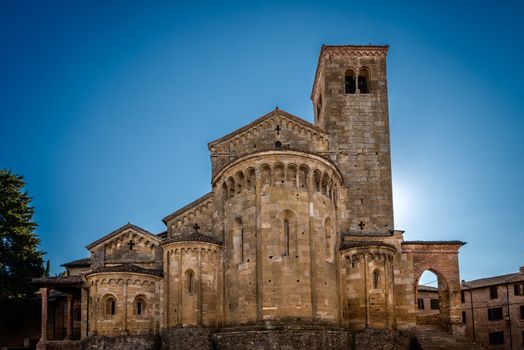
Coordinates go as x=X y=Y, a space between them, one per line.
x=376 y=279
x=190 y=282
x=242 y=243
x=286 y=237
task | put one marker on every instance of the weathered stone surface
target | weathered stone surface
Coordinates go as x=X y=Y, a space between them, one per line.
x=121 y=342
x=187 y=338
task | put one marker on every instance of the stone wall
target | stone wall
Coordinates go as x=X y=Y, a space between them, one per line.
x=277 y=212
x=358 y=128
x=128 y=245
x=123 y=342
x=288 y=336
x=199 y=211
x=126 y=289
x=193 y=281
x=441 y=258
x=263 y=134
x=476 y=304
x=187 y=338
x=367 y=275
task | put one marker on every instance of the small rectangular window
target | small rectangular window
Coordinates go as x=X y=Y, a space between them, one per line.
x=493 y=292
x=495 y=314
x=496 y=338
x=434 y=304
x=522 y=312
x=519 y=288
x=421 y=304
x=462 y=297
x=463 y=316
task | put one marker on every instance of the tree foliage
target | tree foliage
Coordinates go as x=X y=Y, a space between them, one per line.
x=20 y=259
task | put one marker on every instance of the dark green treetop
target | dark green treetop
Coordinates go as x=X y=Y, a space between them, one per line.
x=20 y=259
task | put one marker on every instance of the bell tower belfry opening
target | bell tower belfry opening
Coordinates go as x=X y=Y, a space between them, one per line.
x=350 y=101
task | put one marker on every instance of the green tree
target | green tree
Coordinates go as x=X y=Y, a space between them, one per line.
x=20 y=259
x=47 y=268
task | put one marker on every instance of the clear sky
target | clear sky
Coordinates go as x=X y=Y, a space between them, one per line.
x=106 y=108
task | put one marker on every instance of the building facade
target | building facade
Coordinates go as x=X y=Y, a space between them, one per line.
x=493 y=310
x=296 y=234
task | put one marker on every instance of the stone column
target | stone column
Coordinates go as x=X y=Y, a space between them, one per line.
x=311 y=235
x=43 y=330
x=68 y=317
x=124 y=306
x=259 y=283
x=84 y=312
x=199 y=288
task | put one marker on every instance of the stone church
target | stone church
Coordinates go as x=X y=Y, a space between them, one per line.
x=294 y=245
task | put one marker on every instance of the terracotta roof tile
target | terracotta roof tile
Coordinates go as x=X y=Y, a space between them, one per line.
x=364 y=244
x=78 y=263
x=192 y=237
x=127 y=268
x=427 y=288
x=495 y=280
x=65 y=281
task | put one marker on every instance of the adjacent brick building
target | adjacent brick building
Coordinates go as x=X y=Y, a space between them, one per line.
x=493 y=310
x=294 y=245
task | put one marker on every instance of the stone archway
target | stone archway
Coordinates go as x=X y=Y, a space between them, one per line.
x=440 y=257
x=432 y=303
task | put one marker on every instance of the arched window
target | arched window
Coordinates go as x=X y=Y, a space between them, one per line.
x=190 y=281
x=349 y=82
x=77 y=315
x=376 y=279
x=278 y=145
x=286 y=237
x=110 y=306
x=140 y=305
x=363 y=81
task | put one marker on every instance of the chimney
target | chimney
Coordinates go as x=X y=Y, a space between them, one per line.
x=521 y=269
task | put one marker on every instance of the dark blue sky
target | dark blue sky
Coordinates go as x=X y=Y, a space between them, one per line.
x=106 y=108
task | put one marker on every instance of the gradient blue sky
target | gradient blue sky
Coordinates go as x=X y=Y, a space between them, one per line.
x=106 y=108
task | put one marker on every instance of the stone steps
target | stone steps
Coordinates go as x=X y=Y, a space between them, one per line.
x=435 y=338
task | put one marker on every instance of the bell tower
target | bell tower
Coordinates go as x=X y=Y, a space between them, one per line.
x=350 y=102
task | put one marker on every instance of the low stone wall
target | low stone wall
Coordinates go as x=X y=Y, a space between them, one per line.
x=121 y=342
x=381 y=340
x=187 y=338
x=267 y=336
x=60 y=345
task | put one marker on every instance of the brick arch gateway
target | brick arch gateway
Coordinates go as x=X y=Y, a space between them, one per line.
x=441 y=258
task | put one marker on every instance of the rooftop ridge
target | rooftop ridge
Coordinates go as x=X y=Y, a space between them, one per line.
x=186 y=207
x=274 y=112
